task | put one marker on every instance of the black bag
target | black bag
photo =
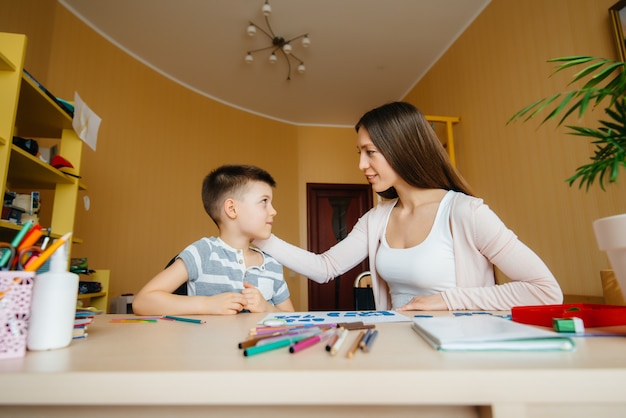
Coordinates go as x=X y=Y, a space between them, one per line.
x=363 y=294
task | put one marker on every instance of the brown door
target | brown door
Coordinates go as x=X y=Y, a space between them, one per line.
x=332 y=211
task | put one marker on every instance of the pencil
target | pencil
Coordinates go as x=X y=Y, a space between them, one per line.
x=356 y=344
x=181 y=319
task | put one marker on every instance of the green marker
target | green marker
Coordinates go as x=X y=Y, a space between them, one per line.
x=6 y=256
x=285 y=342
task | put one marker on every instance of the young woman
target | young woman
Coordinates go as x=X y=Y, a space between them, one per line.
x=431 y=244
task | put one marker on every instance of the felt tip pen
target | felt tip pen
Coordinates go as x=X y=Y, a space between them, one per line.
x=6 y=256
x=365 y=338
x=181 y=319
x=291 y=336
x=370 y=341
x=333 y=338
x=253 y=341
x=355 y=345
x=292 y=331
x=285 y=342
x=301 y=345
x=269 y=330
x=337 y=346
x=34 y=264
x=30 y=238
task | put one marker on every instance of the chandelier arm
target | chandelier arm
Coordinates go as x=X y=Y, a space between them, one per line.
x=262 y=30
x=296 y=58
x=269 y=27
x=288 y=64
x=263 y=49
x=297 y=37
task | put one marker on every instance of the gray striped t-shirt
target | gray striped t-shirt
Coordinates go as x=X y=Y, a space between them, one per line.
x=214 y=267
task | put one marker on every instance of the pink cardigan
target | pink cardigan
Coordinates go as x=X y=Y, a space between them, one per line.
x=481 y=240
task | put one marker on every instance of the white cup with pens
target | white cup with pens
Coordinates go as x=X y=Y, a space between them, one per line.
x=53 y=306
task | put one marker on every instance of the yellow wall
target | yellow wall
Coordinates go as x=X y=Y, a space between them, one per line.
x=497 y=67
x=158 y=140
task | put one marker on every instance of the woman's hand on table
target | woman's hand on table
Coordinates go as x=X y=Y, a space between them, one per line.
x=425 y=303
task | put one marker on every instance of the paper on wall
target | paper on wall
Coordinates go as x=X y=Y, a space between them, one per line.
x=85 y=123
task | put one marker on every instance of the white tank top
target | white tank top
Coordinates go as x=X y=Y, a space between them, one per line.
x=427 y=268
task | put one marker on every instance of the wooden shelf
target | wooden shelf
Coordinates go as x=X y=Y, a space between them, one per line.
x=98 y=300
x=28 y=171
x=82 y=296
x=29 y=111
x=5 y=63
x=38 y=115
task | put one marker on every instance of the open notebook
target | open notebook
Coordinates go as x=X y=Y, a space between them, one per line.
x=486 y=332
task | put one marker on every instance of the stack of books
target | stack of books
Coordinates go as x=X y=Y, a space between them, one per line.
x=83 y=318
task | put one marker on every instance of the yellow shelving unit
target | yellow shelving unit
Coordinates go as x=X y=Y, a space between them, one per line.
x=99 y=300
x=26 y=110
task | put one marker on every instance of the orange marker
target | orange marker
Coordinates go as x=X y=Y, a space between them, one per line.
x=29 y=240
x=35 y=263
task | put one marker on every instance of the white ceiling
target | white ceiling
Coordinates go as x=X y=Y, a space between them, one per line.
x=363 y=53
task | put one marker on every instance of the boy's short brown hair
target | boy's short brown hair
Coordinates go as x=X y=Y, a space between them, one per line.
x=227 y=181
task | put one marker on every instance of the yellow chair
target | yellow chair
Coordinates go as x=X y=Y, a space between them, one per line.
x=611 y=289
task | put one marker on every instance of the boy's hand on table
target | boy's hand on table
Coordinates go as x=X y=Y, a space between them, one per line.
x=229 y=303
x=255 y=300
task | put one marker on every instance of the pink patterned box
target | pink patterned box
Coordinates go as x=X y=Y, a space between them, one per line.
x=15 y=296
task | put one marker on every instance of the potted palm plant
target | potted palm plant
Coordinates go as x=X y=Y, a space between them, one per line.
x=604 y=85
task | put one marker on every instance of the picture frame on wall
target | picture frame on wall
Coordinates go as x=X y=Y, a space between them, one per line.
x=617 y=13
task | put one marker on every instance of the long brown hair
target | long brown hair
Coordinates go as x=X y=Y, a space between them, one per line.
x=409 y=144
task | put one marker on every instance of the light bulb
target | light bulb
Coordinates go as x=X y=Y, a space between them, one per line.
x=267 y=9
x=287 y=48
x=306 y=41
x=301 y=68
x=251 y=30
x=273 y=58
x=249 y=58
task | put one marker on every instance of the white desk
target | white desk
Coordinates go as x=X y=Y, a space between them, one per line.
x=182 y=369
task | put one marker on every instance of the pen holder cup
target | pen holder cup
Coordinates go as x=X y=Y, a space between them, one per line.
x=15 y=298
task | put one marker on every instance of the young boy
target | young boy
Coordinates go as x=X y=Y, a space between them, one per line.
x=224 y=275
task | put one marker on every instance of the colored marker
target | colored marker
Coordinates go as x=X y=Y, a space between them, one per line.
x=365 y=338
x=291 y=335
x=181 y=319
x=269 y=330
x=34 y=263
x=30 y=238
x=285 y=342
x=301 y=345
x=355 y=344
x=337 y=346
x=6 y=256
x=370 y=341
x=333 y=339
x=253 y=341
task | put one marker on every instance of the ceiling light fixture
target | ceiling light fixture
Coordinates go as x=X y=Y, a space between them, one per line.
x=279 y=44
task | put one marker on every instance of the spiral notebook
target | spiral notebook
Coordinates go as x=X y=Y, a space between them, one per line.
x=487 y=333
